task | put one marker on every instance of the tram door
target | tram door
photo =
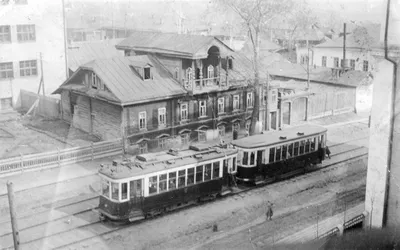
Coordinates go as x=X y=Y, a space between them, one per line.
x=136 y=192
x=225 y=171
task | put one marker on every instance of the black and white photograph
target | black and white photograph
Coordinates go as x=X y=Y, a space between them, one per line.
x=199 y=124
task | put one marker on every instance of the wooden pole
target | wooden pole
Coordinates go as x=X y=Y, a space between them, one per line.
x=41 y=72
x=13 y=215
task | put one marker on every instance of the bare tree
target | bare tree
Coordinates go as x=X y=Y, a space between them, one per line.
x=257 y=16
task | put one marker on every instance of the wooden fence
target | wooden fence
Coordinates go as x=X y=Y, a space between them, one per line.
x=61 y=157
x=47 y=106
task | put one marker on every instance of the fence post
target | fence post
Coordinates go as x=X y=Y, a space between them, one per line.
x=91 y=147
x=58 y=156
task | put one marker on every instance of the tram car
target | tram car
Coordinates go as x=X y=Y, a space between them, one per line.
x=278 y=152
x=154 y=183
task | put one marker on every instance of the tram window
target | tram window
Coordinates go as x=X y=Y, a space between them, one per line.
x=199 y=174
x=290 y=151
x=271 y=155
x=106 y=188
x=190 y=176
x=284 y=152
x=114 y=191
x=181 y=178
x=313 y=142
x=207 y=172
x=124 y=191
x=307 y=149
x=172 y=181
x=162 y=183
x=302 y=144
x=296 y=148
x=252 y=158
x=278 y=153
x=234 y=164
x=153 y=185
x=216 y=170
x=245 y=160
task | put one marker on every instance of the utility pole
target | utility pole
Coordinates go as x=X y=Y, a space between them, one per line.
x=41 y=73
x=344 y=46
x=13 y=215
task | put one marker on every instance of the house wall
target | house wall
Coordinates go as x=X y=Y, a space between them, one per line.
x=355 y=54
x=66 y=112
x=47 y=17
x=106 y=120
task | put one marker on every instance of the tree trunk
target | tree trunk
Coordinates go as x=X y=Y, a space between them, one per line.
x=256 y=105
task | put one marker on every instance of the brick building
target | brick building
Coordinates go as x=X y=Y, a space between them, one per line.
x=169 y=90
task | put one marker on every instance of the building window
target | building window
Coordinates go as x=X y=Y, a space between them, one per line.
x=202 y=108
x=6 y=70
x=230 y=63
x=352 y=64
x=162 y=142
x=221 y=130
x=336 y=62
x=236 y=102
x=21 y=1
x=5 y=34
x=161 y=117
x=95 y=83
x=142 y=120
x=365 y=65
x=4 y=2
x=189 y=74
x=147 y=74
x=143 y=147
x=176 y=73
x=202 y=136
x=250 y=100
x=324 y=61
x=184 y=112
x=221 y=105
x=248 y=122
x=28 y=68
x=26 y=32
x=210 y=71
x=185 y=137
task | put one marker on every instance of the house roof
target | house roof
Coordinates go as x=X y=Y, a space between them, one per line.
x=125 y=83
x=351 y=78
x=186 y=46
x=81 y=53
x=265 y=45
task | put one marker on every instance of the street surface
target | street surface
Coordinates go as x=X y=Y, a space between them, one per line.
x=298 y=202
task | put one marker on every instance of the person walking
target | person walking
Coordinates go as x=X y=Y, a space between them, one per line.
x=270 y=212
x=328 y=152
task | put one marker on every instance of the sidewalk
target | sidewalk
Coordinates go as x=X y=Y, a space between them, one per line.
x=28 y=180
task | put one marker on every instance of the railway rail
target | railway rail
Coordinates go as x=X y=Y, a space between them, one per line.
x=96 y=228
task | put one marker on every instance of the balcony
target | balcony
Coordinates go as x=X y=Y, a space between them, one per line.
x=197 y=86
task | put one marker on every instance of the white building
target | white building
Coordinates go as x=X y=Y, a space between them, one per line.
x=29 y=30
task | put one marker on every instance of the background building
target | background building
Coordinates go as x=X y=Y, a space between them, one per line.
x=30 y=30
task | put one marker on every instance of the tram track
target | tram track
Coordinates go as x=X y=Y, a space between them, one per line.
x=102 y=229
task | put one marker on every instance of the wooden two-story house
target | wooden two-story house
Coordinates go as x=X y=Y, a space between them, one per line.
x=169 y=90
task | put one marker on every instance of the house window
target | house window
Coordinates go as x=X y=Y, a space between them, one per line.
x=353 y=64
x=236 y=103
x=161 y=117
x=250 y=100
x=21 y=1
x=5 y=34
x=189 y=74
x=162 y=142
x=6 y=70
x=221 y=130
x=147 y=74
x=142 y=120
x=210 y=71
x=143 y=147
x=95 y=83
x=202 y=136
x=184 y=111
x=365 y=65
x=336 y=62
x=176 y=73
x=185 y=137
x=26 y=32
x=221 y=105
x=28 y=68
x=202 y=109
x=324 y=61
x=230 y=63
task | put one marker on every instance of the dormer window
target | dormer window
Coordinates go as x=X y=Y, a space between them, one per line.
x=95 y=82
x=147 y=73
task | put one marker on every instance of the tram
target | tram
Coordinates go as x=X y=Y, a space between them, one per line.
x=154 y=183
x=277 y=152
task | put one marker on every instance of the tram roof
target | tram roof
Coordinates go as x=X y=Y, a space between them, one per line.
x=276 y=137
x=156 y=162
